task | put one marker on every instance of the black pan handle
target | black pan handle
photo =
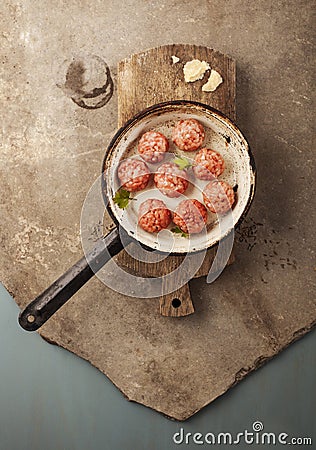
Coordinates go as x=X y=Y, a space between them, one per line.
x=46 y=304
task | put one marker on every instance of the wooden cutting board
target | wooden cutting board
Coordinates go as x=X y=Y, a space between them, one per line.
x=149 y=78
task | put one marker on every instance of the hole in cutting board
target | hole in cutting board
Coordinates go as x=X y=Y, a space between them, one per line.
x=176 y=302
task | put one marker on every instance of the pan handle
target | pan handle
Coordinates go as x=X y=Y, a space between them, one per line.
x=46 y=304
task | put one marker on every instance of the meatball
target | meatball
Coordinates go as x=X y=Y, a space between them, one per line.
x=209 y=164
x=152 y=146
x=219 y=196
x=133 y=174
x=190 y=216
x=188 y=135
x=171 y=180
x=153 y=215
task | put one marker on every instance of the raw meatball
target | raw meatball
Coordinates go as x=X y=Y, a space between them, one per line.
x=171 y=180
x=188 y=135
x=153 y=146
x=219 y=196
x=190 y=216
x=133 y=174
x=209 y=164
x=153 y=215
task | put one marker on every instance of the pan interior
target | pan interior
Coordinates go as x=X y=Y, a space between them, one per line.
x=220 y=135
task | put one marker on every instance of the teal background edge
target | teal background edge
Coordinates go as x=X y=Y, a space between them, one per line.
x=50 y=399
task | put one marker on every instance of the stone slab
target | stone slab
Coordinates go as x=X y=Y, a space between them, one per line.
x=52 y=151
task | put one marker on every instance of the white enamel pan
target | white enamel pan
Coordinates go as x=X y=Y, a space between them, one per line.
x=221 y=134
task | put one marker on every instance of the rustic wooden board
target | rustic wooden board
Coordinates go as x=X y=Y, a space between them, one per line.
x=151 y=77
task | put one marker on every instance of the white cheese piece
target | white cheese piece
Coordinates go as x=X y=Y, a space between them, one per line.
x=194 y=70
x=213 y=82
x=175 y=59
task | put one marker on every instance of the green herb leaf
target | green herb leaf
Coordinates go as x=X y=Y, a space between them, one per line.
x=178 y=230
x=182 y=162
x=122 y=198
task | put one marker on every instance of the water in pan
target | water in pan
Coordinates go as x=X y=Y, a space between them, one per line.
x=217 y=137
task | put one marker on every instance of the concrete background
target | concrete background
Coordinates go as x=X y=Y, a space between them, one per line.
x=273 y=43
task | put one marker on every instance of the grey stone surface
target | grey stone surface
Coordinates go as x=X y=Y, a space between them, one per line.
x=52 y=152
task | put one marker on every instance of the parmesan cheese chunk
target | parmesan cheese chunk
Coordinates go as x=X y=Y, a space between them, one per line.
x=213 y=82
x=194 y=70
x=175 y=59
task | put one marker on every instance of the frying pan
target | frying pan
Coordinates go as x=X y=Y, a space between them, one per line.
x=221 y=134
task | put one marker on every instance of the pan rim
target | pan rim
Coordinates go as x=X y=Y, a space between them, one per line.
x=143 y=114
